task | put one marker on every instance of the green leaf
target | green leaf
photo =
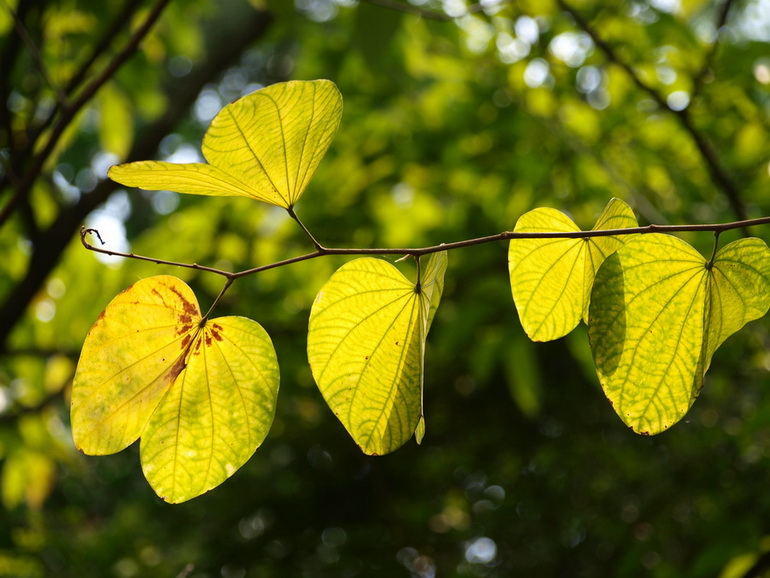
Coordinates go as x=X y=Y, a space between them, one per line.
x=201 y=396
x=265 y=146
x=551 y=279
x=658 y=313
x=116 y=131
x=366 y=346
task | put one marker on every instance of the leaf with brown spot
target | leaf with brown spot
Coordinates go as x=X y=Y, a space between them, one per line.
x=201 y=396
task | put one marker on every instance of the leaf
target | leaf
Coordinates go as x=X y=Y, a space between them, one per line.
x=366 y=346
x=658 y=314
x=551 y=279
x=265 y=146
x=116 y=131
x=201 y=397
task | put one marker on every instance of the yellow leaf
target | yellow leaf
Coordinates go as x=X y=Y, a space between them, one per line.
x=658 y=314
x=551 y=279
x=201 y=395
x=366 y=345
x=265 y=146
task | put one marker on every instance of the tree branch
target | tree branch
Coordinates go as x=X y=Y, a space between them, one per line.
x=119 y=22
x=37 y=58
x=708 y=61
x=70 y=110
x=718 y=173
x=240 y=32
x=429 y=14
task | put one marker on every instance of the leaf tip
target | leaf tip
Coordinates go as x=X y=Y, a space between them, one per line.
x=419 y=433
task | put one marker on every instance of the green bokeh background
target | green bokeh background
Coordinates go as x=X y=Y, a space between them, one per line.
x=452 y=128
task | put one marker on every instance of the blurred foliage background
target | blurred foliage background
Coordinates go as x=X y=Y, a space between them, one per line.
x=458 y=118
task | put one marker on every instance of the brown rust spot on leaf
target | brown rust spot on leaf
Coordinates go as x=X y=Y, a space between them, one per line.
x=183 y=329
x=216 y=331
x=189 y=308
x=176 y=369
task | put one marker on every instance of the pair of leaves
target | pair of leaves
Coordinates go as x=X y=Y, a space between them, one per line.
x=656 y=309
x=265 y=146
x=658 y=313
x=551 y=279
x=201 y=395
x=366 y=346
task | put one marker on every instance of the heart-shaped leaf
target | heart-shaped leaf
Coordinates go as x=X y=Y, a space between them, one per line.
x=658 y=312
x=551 y=279
x=266 y=146
x=201 y=396
x=366 y=345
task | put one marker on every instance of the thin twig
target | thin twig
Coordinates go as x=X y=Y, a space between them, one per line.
x=37 y=58
x=120 y=21
x=307 y=232
x=708 y=61
x=718 y=173
x=420 y=251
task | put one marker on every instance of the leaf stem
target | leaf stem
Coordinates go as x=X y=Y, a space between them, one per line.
x=307 y=232
x=710 y=263
x=227 y=285
x=418 y=285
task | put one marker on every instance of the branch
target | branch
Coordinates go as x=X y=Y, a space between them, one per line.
x=430 y=14
x=229 y=36
x=118 y=23
x=70 y=111
x=708 y=61
x=8 y=60
x=718 y=173
x=124 y=16
x=321 y=251
x=37 y=58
